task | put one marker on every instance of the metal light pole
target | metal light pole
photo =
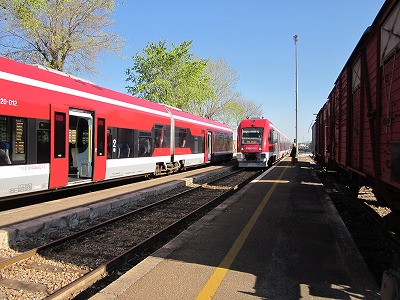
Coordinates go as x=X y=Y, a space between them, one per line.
x=295 y=44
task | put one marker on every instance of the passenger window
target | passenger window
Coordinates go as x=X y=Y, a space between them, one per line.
x=43 y=143
x=4 y=153
x=182 y=138
x=124 y=142
x=109 y=143
x=145 y=148
x=12 y=140
x=100 y=136
x=162 y=136
x=59 y=134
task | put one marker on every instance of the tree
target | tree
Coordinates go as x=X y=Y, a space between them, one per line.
x=61 y=34
x=223 y=81
x=22 y=3
x=172 y=77
x=240 y=109
x=227 y=105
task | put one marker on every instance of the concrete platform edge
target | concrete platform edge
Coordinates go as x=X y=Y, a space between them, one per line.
x=123 y=283
x=13 y=234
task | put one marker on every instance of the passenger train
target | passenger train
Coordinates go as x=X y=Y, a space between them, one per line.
x=260 y=143
x=57 y=130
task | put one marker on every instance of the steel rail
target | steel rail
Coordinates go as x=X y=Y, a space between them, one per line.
x=102 y=271
x=74 y=288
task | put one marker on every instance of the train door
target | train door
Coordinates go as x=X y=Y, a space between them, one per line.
x=80 y=140
x=100 y=157
x=58 y=146
x=209 y=147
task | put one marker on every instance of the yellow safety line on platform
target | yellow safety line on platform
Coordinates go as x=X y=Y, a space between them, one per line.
x=216 y=278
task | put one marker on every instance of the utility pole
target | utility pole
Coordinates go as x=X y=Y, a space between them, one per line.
x=297 y=84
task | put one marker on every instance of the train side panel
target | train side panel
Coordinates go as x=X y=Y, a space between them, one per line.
x=358 y=128
x=57 y=131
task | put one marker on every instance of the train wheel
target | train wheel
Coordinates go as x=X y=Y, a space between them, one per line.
x=157 y=172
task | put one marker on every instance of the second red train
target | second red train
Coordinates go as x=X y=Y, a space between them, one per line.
x=260 y=143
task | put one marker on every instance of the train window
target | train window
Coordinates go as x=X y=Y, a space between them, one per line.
x=78 y=134
x=167 y=137
x=389 y=34
x=110 y=144
x=16 y=139
x=219 y=141
x=252 y=135
x=144 y=143
x=181 y=138
x=13 y=139
x=19 y=142
x=43 y=142
x=100 y=136
x=197 y=148
x=5 y=140
x=162 y=136
x=273 y=137
x=158 y=136
x=125 y=142
x=3 y=128
x=356 y=76
x=59 y=134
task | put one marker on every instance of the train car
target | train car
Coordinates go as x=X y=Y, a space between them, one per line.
x=260 y=143
x=358 y=128
x=57 y=130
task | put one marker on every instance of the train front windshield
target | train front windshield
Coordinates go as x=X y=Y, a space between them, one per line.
x=252 y=135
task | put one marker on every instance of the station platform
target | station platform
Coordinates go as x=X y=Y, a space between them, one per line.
x=280 y=237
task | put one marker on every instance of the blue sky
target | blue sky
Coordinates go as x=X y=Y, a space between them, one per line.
x=255 y=38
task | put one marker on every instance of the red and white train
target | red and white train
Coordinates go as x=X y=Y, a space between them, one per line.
x=260 y=143
x=57 y=130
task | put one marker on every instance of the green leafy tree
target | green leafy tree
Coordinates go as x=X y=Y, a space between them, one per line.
x=60 y=34
x=227 y=104
x=240 y=109
x=173 y=77
x=223 y=82
x=23 y=4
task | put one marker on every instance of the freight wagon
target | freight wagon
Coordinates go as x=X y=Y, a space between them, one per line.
x=357 y=131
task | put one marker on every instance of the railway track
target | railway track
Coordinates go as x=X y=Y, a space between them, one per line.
x=64 y=268
x=376 y=243
x=74 y=190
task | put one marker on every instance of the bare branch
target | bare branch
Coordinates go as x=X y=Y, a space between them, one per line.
x=65 y=35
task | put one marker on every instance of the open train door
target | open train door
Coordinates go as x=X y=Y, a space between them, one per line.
x=81 y=145
x=58 y=146
x=208 y=152
x=100 y=157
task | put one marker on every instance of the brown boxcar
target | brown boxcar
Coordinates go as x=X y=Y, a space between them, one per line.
x=357 y=131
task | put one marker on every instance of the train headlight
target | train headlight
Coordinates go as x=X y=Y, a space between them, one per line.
x=241 y=149
x=259 y=149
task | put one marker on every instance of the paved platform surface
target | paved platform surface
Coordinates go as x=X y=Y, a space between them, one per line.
x=280 y=237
